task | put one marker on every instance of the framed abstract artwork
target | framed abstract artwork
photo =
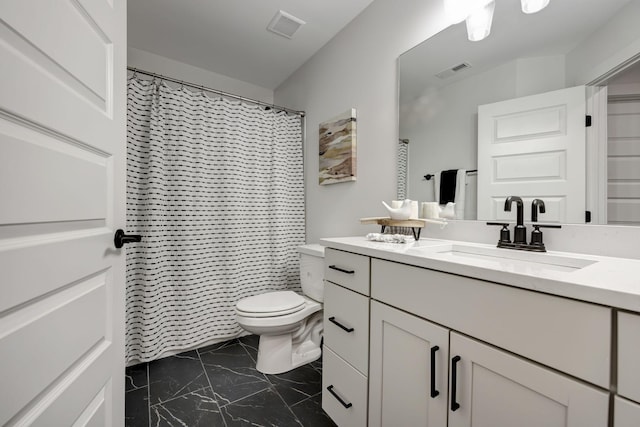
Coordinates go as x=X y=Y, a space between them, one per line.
x=337 y=143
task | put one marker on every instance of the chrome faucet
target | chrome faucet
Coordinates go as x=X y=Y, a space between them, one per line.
x=519 y=231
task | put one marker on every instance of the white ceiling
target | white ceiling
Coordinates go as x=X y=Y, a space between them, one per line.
x=556 y=30
x=229 y=37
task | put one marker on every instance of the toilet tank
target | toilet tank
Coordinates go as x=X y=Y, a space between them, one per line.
x=312 y=271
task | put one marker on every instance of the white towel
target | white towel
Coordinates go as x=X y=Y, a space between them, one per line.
x=461 y=184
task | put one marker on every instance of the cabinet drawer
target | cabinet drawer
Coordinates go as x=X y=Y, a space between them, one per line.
x=626 y=413
x=346 y=325
x=347 y=269
x=344 y=391
x=571 y=336
x=629 y=356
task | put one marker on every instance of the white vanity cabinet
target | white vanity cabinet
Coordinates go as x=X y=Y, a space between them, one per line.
x=346 y=337
x=446 y=349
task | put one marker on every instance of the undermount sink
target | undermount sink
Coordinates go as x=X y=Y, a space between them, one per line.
x=504 y=259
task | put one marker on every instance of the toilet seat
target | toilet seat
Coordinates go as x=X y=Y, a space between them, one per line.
x=270 y=304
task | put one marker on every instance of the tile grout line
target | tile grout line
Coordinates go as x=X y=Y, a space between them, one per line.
x=206 y=375
x=148 y=395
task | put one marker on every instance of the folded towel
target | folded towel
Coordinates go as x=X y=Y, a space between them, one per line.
x=390 y=238
x=448 y=180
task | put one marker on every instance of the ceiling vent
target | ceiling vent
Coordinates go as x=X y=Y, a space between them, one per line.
x=453 y=70
x=285 y=24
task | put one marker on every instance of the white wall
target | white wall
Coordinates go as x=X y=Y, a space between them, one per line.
x=593 y=58
x=168 y=67
x=357 y=68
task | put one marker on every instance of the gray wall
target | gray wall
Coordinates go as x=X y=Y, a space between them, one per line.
x=168 y=67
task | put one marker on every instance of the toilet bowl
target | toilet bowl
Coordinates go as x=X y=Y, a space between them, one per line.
x=289 y=323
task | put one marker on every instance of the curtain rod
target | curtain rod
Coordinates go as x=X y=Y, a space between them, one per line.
x=219 y=92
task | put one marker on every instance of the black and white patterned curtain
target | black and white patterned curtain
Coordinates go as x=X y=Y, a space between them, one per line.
x=402 y=166
x=215 y=187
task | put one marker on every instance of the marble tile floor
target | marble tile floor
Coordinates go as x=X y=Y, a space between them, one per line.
x=218 y=385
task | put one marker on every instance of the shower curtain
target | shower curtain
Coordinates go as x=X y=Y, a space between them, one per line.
x=215 y=187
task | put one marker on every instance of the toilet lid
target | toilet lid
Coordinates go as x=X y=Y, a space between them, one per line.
x=276 y=303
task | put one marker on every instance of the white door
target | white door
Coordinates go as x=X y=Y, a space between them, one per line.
x=408 y=374
x=533 y=147
x=62 y=195
x=623 y=165
x=495 y=389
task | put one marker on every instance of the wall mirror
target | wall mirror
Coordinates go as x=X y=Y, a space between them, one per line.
x=445 y=79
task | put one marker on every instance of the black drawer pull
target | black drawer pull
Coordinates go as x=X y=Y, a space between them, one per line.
x=454 y=383
x=434 y=392
x=341 y=270
x=333 y=320
x=345 y=404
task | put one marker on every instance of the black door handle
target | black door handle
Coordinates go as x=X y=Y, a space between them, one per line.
x=434 y=392
x=345 y=404
x=120 y=238
x=333 y=320
x=454 y=383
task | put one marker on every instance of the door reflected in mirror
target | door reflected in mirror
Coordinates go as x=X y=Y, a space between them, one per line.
x=445 y=80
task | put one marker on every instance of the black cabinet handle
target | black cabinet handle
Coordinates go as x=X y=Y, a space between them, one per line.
x=345 y=404
x=434 y=392
x=341 y=270
x=454 y=383
x=333 y=320
x=120 y=238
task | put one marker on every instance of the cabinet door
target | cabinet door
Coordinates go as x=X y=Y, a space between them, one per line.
x=408 y=370
x=626 y=413
x=496 y=389
x=628 y=356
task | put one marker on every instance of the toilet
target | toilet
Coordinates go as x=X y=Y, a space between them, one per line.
x=289 y=324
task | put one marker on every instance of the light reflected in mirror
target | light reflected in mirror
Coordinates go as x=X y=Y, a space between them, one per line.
x=570 y=43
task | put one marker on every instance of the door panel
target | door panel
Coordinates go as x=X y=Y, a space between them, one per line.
x=533 y=147
x=497 y=389
x=62 y=186
x=46 y=59
x=57 y=194
x=400 y=376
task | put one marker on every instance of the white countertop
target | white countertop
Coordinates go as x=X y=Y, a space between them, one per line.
x=608 y=281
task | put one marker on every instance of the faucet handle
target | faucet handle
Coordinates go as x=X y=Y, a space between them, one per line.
x=505 y=234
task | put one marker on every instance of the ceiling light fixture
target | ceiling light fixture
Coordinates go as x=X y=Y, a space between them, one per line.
x=533 y=6
x=479 y=22
x=479 y=14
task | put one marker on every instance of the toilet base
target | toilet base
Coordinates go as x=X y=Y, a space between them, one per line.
x=281 y=353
